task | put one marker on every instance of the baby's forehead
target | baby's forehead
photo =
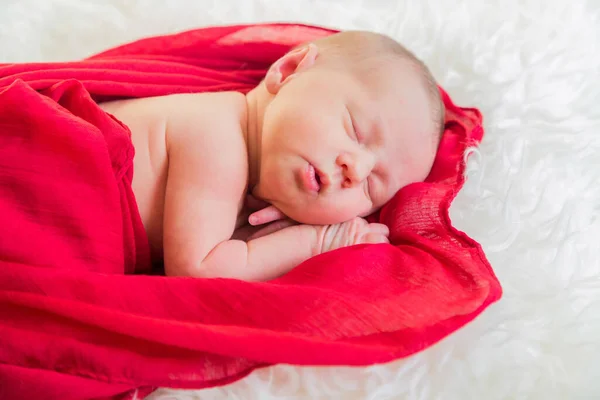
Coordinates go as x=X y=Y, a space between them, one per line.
x=391 y=86
x=386 y=85
x=387 y=78
x=398 y=105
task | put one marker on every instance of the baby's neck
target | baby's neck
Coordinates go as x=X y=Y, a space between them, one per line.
x=255 y=104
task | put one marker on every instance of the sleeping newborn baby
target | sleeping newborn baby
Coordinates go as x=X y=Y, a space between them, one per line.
x=333 y=131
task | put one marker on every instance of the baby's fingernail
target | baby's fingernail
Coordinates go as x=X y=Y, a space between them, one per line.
x=252 y=220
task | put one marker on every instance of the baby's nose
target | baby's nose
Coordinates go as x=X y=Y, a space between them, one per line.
x=355 y=168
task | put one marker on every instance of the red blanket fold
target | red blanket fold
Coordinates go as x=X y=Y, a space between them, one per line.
x=75 y=322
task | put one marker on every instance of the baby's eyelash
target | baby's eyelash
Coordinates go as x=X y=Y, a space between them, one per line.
x=356 y=133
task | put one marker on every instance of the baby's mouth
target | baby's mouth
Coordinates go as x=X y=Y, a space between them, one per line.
x=315 y=180
x=312 y=179
x=318 y=178
x=322 y=179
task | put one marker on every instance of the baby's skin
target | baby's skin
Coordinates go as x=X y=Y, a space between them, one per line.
x=311 y=150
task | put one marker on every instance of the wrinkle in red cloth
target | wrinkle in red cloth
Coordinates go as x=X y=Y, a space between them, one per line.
x=80 y=319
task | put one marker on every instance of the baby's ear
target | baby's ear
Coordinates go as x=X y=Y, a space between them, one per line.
x=289 y=65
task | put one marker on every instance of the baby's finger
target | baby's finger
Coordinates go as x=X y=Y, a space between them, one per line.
x=379 y=228
x=273 y=227
x=264 y=216
x=374 y=238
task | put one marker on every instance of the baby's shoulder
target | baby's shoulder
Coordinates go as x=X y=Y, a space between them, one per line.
x=203 y=113
x=203 y=104
x=212 y=122
x=207 y=130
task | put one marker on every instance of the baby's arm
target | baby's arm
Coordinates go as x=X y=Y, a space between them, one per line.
x=201 y=206
x=205 y=181
x=275 y=254
x=200 y=217
x=264 y=258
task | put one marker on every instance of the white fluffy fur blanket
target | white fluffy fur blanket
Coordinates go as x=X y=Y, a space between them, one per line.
x=533 y=193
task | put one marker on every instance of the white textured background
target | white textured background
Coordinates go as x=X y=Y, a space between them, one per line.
x=532 y=198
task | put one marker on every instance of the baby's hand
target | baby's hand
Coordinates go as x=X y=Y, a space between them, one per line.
x=355 y=231
x=266 y=215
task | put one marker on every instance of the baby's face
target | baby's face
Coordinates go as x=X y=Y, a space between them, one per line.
x=335 y=146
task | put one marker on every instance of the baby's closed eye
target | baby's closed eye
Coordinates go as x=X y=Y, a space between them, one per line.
x=350 y=127
x=367 y=187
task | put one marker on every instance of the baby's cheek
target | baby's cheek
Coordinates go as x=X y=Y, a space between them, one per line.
x=340 y=211
x=333 y=209
x=316 y=214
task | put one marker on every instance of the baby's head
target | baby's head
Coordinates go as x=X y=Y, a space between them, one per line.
x=346 y=122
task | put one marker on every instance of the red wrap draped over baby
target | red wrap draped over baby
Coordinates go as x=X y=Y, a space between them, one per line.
x=76 y=321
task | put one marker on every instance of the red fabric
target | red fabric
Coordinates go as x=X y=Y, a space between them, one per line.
x=76 y=323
